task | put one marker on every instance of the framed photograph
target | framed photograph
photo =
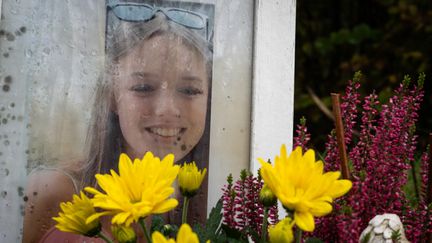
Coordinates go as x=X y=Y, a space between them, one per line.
x=82 y=82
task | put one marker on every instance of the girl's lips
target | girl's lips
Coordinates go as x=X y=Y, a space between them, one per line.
x=166 y=132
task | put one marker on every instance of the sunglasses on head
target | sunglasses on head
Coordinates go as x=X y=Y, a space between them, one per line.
x=141 y=12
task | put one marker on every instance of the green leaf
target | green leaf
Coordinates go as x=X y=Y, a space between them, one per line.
x=210 y=231
x=231 y=233
x=254 y=235
x=157 y=223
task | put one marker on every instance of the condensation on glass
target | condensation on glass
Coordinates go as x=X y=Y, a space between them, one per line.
x=82 y=81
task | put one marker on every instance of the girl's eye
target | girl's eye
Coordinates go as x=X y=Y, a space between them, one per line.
x=143 y=88
x=190 y=91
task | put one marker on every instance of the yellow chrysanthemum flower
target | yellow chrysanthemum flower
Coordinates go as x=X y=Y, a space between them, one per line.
x=73 y=217
x=190 y=179
x=141 y=188
x=299 y=183
x=282 y=231
x=185 y=235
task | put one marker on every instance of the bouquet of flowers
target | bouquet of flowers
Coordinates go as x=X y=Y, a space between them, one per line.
x=133 y=194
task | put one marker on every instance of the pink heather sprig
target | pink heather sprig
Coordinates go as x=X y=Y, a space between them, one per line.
x=392 y=148
x=360 y=151
x=332 y=153
x=255 y=209
x=424 y=168
x=349 y=106
x=302 y=136
x=228 y=197
x=242 y=209
x=380 y=157
x=421 y=219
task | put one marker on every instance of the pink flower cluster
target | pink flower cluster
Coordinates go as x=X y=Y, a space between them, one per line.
x=242 y=209
x=381 y=144
x=302 y=136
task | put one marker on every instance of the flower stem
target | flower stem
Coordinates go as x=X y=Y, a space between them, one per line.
x=104 y=237
x=185 y=209
x=264 y=225
x=143 y=226
x=298 y=235
x=340 y=136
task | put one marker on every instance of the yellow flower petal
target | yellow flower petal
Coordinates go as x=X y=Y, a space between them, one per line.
x=304 y=220
x=160 y=238
x=186 y=235
x=165 y=206
x=340 y=187
x=319 y=209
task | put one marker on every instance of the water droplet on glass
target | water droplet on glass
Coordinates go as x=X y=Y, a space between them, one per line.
x=46 y=51
x=10 y=37
x=28 y=53
x=20 y=191
x=6 y=171
x=6 y=88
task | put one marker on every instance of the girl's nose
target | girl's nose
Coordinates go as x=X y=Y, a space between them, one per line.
x=166 y=105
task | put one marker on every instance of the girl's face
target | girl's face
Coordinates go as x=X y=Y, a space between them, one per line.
x=161 y=90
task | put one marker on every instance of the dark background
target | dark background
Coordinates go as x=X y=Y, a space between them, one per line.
x=385 y=39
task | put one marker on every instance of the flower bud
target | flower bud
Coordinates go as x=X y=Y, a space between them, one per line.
x=190 y=179
x=266 y=197
x=282 y=231
x=123 y=234
x=167 y=229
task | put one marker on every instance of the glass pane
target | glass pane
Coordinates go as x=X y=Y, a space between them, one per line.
x=79 y=86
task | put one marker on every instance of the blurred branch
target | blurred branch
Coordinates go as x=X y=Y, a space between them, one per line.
x=319 y=103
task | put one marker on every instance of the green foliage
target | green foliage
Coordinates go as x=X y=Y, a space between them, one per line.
x=243 y=174
x=411 y=189
x=354 y=36
x=384 y=38
x=214 y=231
x=396 y=236
x=158 y=224
x=230 y=179
x=211 y=229
x=366 y=238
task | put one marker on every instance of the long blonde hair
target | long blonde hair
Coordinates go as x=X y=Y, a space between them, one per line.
x=104 y=139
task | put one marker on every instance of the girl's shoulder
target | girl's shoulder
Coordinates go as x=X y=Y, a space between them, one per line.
x=46 y=189
x=55 y=178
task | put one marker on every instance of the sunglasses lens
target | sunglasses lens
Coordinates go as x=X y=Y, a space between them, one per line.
x=188 y=19
x=133 y=12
